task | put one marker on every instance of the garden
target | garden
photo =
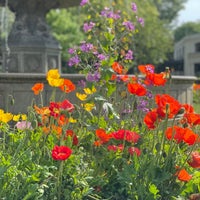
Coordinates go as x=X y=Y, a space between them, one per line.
x=115 y=139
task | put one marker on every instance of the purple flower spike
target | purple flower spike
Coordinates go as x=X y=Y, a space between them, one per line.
x=129 y=25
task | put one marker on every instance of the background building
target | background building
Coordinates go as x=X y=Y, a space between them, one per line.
x=187 y=52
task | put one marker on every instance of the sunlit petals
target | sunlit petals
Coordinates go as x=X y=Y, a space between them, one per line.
x=67 y=86
x=80 y=96
x=183 y=175
x=37 y=88
x=137 y=89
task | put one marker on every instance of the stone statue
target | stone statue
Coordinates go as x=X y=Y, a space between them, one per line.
x=30 y=40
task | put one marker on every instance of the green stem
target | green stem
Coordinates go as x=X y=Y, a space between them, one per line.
x=59 y=183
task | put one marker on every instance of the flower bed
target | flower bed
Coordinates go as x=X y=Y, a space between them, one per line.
x=111 y=143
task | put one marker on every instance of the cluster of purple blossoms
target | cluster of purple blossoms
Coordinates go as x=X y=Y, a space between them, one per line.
x=129 y=55
x=110 y=14
x=95 y=77
x=134 y=7
x=129 y=25
x=71 y=51
x=88 y=26
x=101 y=56
x=73 y=61
x=81 y=84
x=142 y=105
x=83 y=2
x=86 y=47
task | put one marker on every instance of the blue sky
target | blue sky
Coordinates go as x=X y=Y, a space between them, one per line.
x=190 y=13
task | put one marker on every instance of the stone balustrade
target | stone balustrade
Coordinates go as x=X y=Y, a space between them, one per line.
x=16 y=94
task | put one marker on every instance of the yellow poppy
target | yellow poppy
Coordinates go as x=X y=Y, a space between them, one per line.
x=88 y=106
x=16 y=118
x=6 y=117
x=24 y=117
x=89 y=91
x=82 y=97
x=71 y=120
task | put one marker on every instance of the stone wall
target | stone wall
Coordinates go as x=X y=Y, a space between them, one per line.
x=17 y=87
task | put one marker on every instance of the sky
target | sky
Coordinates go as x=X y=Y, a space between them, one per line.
x=190 y=13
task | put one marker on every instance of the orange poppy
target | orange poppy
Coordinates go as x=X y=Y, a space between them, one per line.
x=188 y=108
x=37 y=88
x=195 y=160
x=117 y=67
x=67 y=86
x=177 y=133
x=192 y=118
x=190 y=137
x=196 y=86
x=137 y=89
x=155 y=79
x=183 y=175
x=103 y=136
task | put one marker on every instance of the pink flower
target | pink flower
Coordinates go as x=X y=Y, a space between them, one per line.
x=83 y=2
x=23 y=125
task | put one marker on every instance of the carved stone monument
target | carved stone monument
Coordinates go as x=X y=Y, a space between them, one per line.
x=32 y=48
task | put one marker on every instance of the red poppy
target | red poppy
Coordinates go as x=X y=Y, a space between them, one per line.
x=67 y=105
x=61 y=152
x=54 y=109
x=195 y=160
x=146 y=69
x=137 y=89
x=134 y=150
x=167 y=105
x=150 y=119
x=117 y=67
x=103 y=136
x=37 y=88
x=67 y=86
x=183 y=175
x=127 y=135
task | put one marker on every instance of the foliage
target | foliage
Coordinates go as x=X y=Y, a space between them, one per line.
x=65 y=25
x=115 y=139
x=186 y=29
x=169 y=9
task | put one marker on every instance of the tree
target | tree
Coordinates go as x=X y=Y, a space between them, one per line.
x=65 y=25
x=168 y=9
x=186 y=29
